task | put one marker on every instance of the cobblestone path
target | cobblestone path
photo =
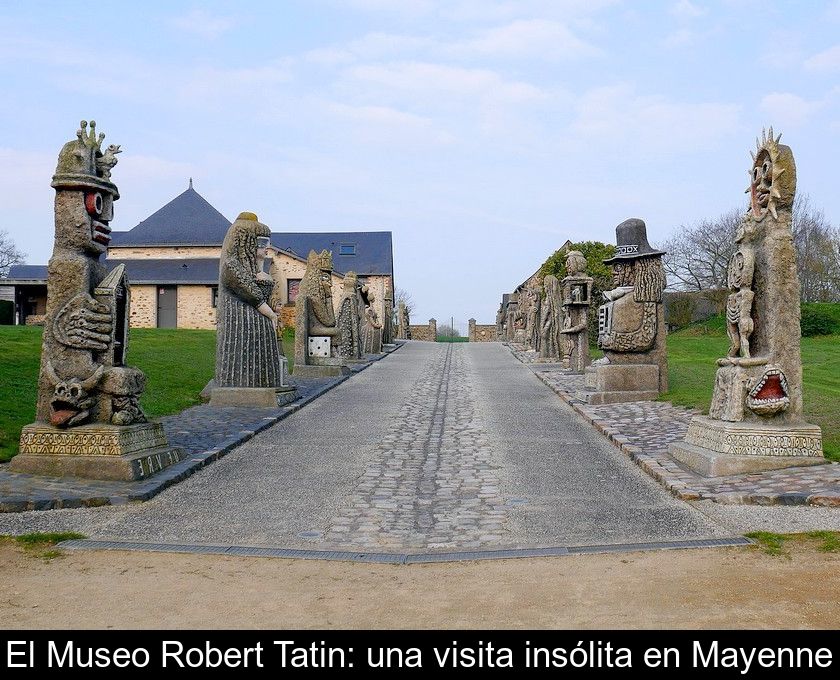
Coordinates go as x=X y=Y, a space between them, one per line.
x=433 y=482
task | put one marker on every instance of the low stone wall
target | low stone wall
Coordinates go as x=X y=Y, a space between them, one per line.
x=482 y=332
x=35 y=320
x=422 y=333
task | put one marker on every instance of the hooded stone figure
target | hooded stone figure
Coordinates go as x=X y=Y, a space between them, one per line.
x=550 y=316
x=247 y=351
x=349 y=318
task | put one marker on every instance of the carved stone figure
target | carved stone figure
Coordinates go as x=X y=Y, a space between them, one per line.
x=403 y=322
x=372 y=329
x=550 y=320
x=388 y=320
x=250 y=366
x=533 y=322
x=631 y=323
x=89 y=419
x=317 y=336
x=349 y=318
x=755 y=418
x=577 y=290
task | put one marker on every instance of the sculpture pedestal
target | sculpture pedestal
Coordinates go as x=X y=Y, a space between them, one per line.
x=255 y=397
x=96 y=451
x=617 y=383
x=321 y=367
x=715 y=448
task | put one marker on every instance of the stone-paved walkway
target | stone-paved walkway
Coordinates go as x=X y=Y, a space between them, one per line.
x=644 y=430
x=205 y=433
x=434 y=481
x=440 y=447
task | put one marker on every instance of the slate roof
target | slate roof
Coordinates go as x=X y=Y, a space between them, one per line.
x=161 y=272
x=374 y=251
x=188 y=219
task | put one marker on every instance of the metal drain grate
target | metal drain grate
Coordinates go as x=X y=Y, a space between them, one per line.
x=399 y=558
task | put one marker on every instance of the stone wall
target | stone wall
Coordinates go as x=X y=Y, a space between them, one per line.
x=163 y=252
x=143 y=306
x=426 y=333
x=482 y=332
x=195 y=307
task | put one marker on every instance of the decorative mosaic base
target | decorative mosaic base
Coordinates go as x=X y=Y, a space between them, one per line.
x=96 y=451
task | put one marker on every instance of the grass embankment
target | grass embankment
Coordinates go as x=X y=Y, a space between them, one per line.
x=693 y=351
x=178 y=363
x=780 y=544
x=42 y=545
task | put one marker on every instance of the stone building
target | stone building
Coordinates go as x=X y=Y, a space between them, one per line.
x=172 y=262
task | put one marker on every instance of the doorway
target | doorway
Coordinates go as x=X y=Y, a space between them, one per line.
x=167 y=306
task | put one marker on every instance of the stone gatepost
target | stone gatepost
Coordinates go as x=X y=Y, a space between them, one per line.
x=755 y=420
x=471 y=335
x=433 y=329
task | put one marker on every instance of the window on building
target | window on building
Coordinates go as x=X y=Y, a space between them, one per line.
x=214 y=296
x=292 y=286
x=347 y=249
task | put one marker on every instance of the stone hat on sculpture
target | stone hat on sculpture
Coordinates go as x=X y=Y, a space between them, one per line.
x=631 y=241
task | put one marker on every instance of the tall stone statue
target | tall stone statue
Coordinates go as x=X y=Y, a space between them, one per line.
x=403 y=322
x=317 y=336
x=349 y=318
x=372 y=329
x=388 y=320
x=89 y=419
x=533 y=320
x=577 y=291
x=250 y=365
x=631 y=324
x=755 y=420
x=550 y=319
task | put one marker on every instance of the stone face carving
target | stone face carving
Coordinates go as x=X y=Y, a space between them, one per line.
x=250 y=366
x=550 y=319
x=755 y=418
x=577 y=290
x=631 y=323
x=318 y=338
x=84 y=383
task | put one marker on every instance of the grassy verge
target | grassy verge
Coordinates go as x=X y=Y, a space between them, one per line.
x=42 y=545
x=693 y=351
x=178 y=364
x=780 y=545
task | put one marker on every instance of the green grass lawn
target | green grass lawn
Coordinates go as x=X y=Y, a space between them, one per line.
x=177 y=363
x=693 y=351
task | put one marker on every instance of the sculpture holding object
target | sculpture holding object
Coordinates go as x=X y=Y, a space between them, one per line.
x=576 y=293
x=86 y=393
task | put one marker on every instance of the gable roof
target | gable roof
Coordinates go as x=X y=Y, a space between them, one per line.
x=374 y=251
x=188 y=219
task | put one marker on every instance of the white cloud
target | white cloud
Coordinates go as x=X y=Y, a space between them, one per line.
x=617 y=115
x=422 y=79
x=827 y=60
x=203 y=24
x=679 y=38
x=538 y=38
x=383 y=123
x=686 y=10
x=788 y=109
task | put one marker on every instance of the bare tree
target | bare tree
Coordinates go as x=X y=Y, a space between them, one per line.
x=448 y=331
x=402 y=295
x=9 y=253
x=698 y=254
x=817 y=252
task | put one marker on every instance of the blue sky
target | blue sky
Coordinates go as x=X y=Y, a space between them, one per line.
x=483 y=133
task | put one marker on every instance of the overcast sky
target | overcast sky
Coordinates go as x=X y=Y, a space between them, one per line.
x=482 y=133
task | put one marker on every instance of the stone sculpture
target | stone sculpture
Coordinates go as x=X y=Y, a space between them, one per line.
x=533 y=320
x=550 y=319
x=250 y=365
x=403 y=322
x=317 y=336
x=577 y=291
x=349 y=318
x=372 y=329
x=755 y=419
x=631 y=324
x=89 y=419
x=388 y=320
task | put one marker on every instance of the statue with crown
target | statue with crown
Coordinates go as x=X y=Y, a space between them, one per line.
x=89 y=422
x=317 y=335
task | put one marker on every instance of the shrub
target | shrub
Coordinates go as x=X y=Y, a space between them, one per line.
x=817 y=321
x=7 y=312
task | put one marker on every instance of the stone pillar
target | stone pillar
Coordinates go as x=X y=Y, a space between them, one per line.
x=755 y=419
x=471 y=335
x=433 y=329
